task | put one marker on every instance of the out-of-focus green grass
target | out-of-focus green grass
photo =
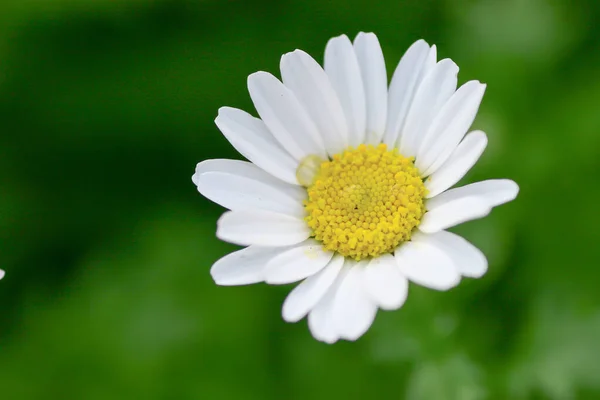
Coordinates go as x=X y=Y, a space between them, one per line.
x=106 y=106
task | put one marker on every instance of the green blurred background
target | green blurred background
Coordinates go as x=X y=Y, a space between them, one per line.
x=107 y=105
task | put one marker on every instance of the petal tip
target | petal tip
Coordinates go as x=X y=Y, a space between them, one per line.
x=289 y=315
x=365 y=36
x=514 y=188
x=481 y=135
x=257 y=76
x=224 y=112
x=343 y=37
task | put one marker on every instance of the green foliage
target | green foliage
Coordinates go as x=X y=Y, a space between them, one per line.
x=106 y=106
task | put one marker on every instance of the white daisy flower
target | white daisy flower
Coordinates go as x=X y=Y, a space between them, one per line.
x=347 y=185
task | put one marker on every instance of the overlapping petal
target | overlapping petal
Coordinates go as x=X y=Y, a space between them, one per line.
x=307 y=294
x=433 y=92
x=374 y=77
x=297 y=262
x=460 y=162
x=261 y=228
x=449 y=127
x=285 y=117
x=252 y=139
x=425 y=264
x=238 y=185
x=343 y=70
x=309 y=82
x=405 y=81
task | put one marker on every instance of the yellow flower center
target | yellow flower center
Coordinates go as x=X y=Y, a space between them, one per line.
x=365 y=201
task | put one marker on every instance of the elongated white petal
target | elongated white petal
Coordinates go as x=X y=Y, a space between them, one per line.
x=320 y=324
x=433 y=92
x=426 y=265
x=262 y=228
x=353 y=310
x=320 y=320
x=430 y=62
x=238 y=185
x=372 y=68
x=309 y=82
x=468 y=259
x=384 y=282
x=252 y=139
x=453 y=212
x=240 y=193
x=307 y=294
x=404 y=82
x=460 y=162
x=284 y=116
x=449 y=127
x=2 y=273
x=243 y=267
x=493 y=191
x=341 y=65
x=297 y=263
x=246 y=169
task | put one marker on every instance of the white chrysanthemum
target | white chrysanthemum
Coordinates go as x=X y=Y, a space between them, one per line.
x=347 y=185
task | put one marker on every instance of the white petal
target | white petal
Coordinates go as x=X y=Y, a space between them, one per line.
x=404 y=82
x=453 y=212
x=343 y=70
x=246 y=169
x=468 y=259
x=353 y=311
x=297 y=263
x=252 y=139
x=449 y=127
x=284 y=116
x=262 y=228
x=1 y=274
x=238 y=185
x=493 y=191
x=308 y=293
x=242 y=267
x=374 y=76
x=305 y=77
x=433 y=92
x=320 y=321
x=430 y=62
x=426 y=265
x=384 y=282
x=460 y=162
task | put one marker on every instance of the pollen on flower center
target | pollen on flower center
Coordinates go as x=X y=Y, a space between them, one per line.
x=365 y=201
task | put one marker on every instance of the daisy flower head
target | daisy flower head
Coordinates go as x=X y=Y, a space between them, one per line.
x=347 y=188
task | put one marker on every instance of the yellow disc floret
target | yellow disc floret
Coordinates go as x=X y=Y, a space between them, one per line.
x=365 y=201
